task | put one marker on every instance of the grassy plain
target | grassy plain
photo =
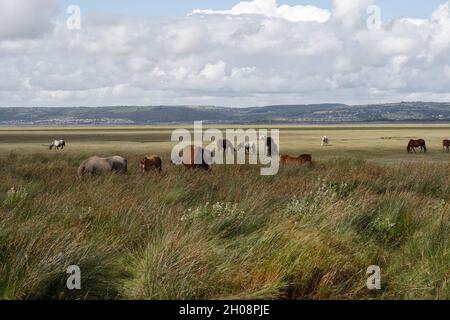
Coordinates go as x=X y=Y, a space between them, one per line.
x=306 y=233
x=380 y=143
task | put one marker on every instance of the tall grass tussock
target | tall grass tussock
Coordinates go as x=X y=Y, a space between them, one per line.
x=306 y=233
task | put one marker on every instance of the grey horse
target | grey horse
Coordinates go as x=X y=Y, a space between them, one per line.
x=97 y=165
x=225 y=145
x=250 y=147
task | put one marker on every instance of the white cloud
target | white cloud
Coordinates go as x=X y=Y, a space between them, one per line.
x=440 y=39
x=270 y=8
x=26 y=19
x=447 y=71
x=253 y=54
x=350 y=12
x=214 y=71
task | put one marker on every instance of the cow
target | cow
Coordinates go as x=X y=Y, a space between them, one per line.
x=97 y=165
x=303 y=159
x=325 y=141
x=413 y=144
x=446 y=145
x=151 y=162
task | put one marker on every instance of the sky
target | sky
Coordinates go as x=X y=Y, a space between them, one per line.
x=391 y=8
x=221 y=52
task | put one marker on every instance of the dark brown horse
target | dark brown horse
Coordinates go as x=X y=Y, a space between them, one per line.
x=413 y=144
x=193 y=157
x=446 y=145
x=303 y=159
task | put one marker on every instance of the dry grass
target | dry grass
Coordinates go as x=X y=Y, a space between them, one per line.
x=307 y=233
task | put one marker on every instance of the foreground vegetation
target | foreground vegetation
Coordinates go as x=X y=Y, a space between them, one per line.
x=307 y=233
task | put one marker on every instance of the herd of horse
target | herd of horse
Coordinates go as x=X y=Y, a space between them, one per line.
x=194 y=157
x=420 y=143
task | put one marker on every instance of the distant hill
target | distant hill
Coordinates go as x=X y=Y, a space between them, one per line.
x=317 y=113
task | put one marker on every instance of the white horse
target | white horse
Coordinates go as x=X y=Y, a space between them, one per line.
x=57 y=144
x=325 y=141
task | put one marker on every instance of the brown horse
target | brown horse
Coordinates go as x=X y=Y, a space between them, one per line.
x=151 y=162
x=303 y=159
x=446 y=145
x=413 y=144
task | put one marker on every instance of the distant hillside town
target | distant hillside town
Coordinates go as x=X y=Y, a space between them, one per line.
x=283 y=114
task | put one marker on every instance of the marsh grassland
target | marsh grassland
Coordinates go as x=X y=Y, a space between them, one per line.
x=307 y=233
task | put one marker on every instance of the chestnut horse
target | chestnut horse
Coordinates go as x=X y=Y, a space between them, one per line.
x=413 y=144
x=151 y=162
x=303 y=159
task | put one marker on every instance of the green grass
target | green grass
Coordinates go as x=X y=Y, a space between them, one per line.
x=307 y=233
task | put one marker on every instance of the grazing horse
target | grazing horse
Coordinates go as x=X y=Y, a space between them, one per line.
x=324 y=141
x=303 y=159
x=446 y=145
x=96 y=165
x=250 y=147
x=264 y=139
x=413 y=144
x=270 y=145
x=193 y=157
x=151 y=162
x=225 y=145
x=57 y=144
